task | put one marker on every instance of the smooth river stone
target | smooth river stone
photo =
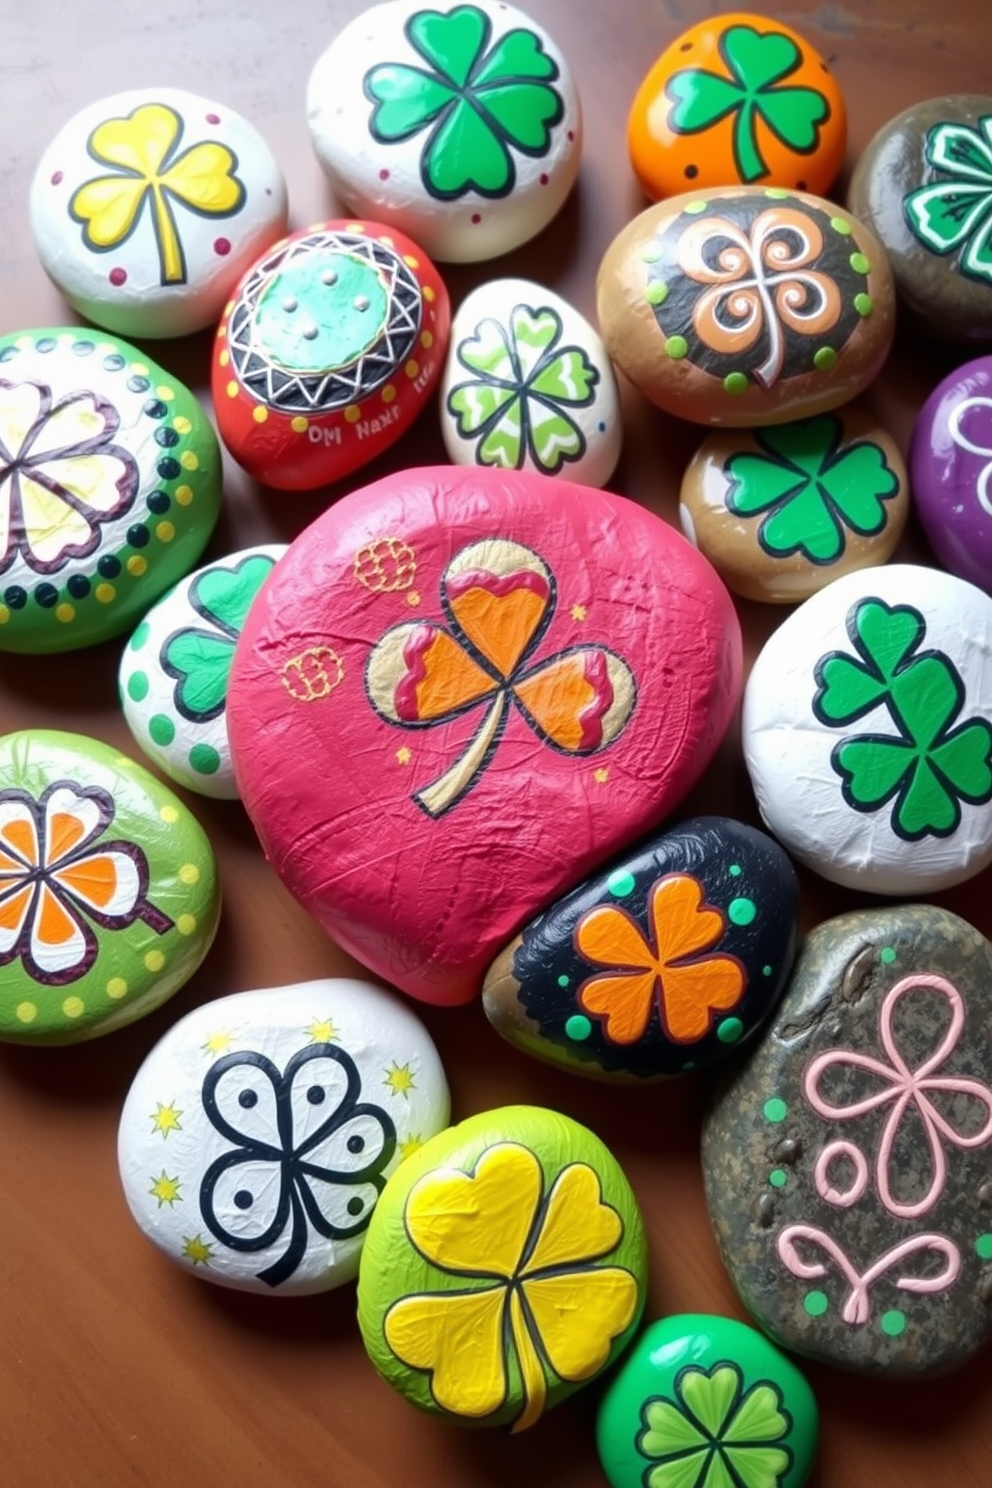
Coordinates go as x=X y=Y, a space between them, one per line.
x=924 y=186
x=849 y=1194
x=665 y=963
x=329 y=349
x=782 y=511
x=147 y=207
x=260 y=1131
x=737 y=99
x=108 y=889
x=702 y=1401
x=528 y=386
x=110 y=482
x=174 y=671
x=456 y=696
x=458 y=124
x=798 y=320
x=505 y=1266
x=866 y=731
x=950 y=460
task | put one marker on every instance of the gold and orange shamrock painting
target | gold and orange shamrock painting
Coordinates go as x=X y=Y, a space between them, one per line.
x=498 y=598
x=667 y=968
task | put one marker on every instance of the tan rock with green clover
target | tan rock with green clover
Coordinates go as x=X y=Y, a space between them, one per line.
x=528 y=386
x=505 y=1266
x=782 y=511
x=108 y=889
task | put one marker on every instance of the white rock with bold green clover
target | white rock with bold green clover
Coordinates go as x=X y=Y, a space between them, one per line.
x=174 y=671
x=528 y=386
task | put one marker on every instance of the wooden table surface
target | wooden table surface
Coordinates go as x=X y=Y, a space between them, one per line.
x=117 y=1368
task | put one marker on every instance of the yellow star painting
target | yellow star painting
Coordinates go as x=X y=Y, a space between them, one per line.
x=321 y=1031
x=400 y=1079
x=166 y=1189
x=197 y=1250
x=165 y=1119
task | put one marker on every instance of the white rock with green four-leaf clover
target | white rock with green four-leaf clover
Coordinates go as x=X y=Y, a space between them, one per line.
x=148 y=206
x=260 y=1131
x=867 y=733
x=174 y=670
x=528 y=386
x=457 y=123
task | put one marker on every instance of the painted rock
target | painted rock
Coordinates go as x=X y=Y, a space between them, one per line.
x=328 y=351
x=782 y=511
x=663 y=964
x=924 y=187
x=459 y=124
x=147 y=208
x=847 y=1163
x=109 y=487
x=737 y=99
x=528 y=386
x=108 y=890
x=259 y=1133
x=950 y=458
x=746 y=306
x=866 y=732
x=174 y=671
x=505 y=1266
x=444 y=664
x=703 y=1401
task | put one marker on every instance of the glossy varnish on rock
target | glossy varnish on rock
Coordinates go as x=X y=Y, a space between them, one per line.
x=847 y=1163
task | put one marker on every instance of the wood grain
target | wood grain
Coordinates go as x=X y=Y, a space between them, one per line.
x=116 y=1368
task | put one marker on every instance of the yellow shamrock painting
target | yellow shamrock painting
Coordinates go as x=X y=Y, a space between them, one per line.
x=148 y=170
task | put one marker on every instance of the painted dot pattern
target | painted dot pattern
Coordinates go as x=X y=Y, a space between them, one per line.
x=775 y=1110
x=816 y=1303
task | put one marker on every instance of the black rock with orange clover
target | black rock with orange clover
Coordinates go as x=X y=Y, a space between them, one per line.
x=664 y=963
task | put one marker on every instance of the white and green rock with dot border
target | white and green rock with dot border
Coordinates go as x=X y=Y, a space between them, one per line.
x=110 y=481
x=108 y=889
x=175 y=668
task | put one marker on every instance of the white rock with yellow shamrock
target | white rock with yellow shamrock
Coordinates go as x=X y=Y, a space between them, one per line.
x=148 y=206
x=258 y=1134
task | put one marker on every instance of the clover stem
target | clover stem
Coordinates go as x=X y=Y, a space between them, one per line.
x=170 y=249
x=749 y=161
x=531 y=1371
x=435 y=799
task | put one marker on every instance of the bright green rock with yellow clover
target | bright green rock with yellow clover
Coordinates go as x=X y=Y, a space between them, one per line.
x=707 y=1402
x=505 y=1266
x=108 y=889
x=110 y=482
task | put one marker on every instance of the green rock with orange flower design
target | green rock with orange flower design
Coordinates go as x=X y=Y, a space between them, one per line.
x=504 y=1267
x=109 y=487
x=108 y=889
x=665 y=962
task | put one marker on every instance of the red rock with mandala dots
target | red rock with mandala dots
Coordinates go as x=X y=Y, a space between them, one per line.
x=458 y=678
x=746 y=305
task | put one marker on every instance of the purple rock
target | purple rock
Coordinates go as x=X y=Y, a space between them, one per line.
x=950 y=466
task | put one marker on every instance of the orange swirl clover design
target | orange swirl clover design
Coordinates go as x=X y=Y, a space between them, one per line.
x=760 y=281
x=498 y=598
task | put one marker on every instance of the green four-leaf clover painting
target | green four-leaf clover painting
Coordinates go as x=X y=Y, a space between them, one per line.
x=477 y=100
x=716 y=1434
x=755 y=87
x=953 y=212
x=517 y=407
x=811 y=487
x=937 y=758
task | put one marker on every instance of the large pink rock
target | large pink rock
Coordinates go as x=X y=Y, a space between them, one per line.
x=459 y=692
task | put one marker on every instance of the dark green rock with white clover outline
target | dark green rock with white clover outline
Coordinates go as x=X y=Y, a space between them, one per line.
x=706 y=1402
x=110 y=483
x=847 y=1164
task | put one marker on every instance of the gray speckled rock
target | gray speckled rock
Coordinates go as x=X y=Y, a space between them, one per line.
x=853 y=1208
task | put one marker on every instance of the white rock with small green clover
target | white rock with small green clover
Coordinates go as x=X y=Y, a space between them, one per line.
x=528 y=386
x=175 y=668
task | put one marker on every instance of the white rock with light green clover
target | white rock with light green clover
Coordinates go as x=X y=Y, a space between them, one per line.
x=260 y=1131
x=528 y=386
x=456 y=123
x=174 y=670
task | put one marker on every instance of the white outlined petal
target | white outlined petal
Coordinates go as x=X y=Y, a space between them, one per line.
x=20 y=405
x=76 y=420
x=105 y=883
x=71 y=821
x=95 y=480
x=15 y=906
x=19 y=846
x=59 y=942
x=51 y=525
